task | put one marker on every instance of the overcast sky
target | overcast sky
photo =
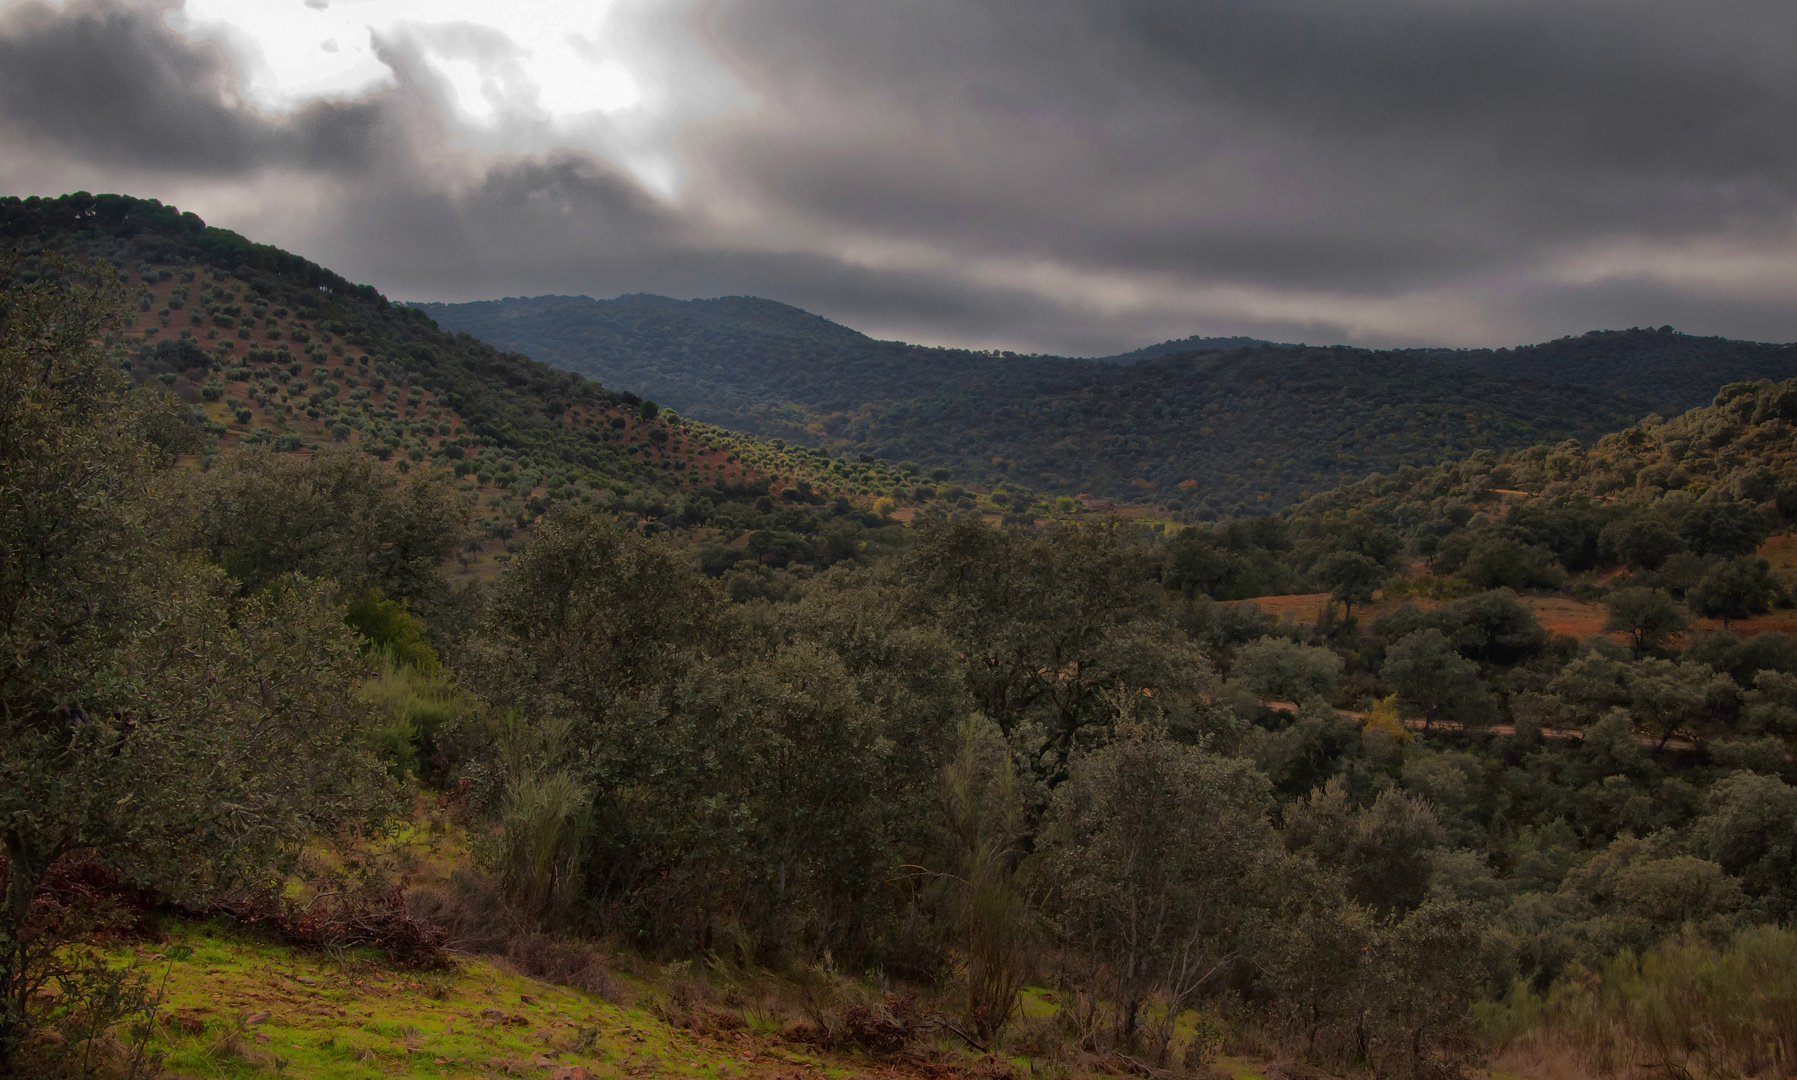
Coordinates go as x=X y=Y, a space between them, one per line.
x=1081 y=178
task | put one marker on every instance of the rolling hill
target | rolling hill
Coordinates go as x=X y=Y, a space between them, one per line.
x=1215 y=430
x=270 y=349
x=1195 y=343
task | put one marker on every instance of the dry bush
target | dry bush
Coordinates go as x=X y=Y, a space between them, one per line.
x=472 y=909
x=1687 y=1009
x=477 y=918
x=79 y=889
x=1544 y=1056
x=84 y=1014
x=378 y=918
x=684 y=996
x=567 y=963
x=886 y=1026
x=1287 y=1069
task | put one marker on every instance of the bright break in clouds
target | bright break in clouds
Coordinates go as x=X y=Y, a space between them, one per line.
x=1080 y=178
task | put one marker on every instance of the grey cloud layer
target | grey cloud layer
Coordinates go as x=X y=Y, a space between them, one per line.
x=1078 y=177
x=112 y=85
x=1422 y=135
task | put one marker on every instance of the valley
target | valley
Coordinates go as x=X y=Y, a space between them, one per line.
x=1240 y=427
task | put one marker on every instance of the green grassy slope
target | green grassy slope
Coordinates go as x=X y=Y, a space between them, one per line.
x=1219 y=431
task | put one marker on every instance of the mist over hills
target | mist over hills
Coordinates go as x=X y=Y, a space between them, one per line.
x=1230 y=426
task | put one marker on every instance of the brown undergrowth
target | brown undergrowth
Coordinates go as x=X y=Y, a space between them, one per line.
x=1688 y=1009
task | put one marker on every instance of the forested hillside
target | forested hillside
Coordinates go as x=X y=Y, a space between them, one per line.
x=781 y=774
x=1224 y=429
x=1195 y=343
x=267 y=349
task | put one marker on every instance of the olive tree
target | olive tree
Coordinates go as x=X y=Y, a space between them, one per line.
x=1352 y=578
x=1049 y=626
x=739 y=786
x=1434 y=681
x=1285 y=670
x=1648 y=616
x=1734 y=589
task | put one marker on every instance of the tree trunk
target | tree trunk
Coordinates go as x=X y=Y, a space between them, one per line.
x=22 y=880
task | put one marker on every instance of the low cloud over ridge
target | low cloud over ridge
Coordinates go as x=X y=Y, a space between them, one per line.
x=1069 y=177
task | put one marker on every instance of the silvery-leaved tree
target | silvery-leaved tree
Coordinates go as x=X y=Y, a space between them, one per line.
x=151 y=717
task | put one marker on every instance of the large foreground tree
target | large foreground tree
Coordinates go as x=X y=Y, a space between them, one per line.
x=148 y=716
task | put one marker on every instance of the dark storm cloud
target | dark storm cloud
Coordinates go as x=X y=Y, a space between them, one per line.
x=112 y=84
x=1080 y=177
x=1289 y=141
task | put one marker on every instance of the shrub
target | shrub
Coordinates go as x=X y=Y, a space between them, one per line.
x=1686 y=1008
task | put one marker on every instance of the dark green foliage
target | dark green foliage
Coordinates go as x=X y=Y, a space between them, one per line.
x=1744 y=658
x=735 y=789
x=1494 y=627
x=1642 y=540
x=1498 y=562
x=335 y=514
x=1385 y=853
x=184 y=737
x=957 y=754
x=1255 y=428
x=1351 y=577
x=507 y=401
x=1434 y=681
x=1300 y=756
x=1570 y=531
x=1052 y=628
x=1234 y=561
x=1158 y=857
x=1749 y=827
x=1287 y=671
x=1727 y=529
x=1668 y=498
x=1736 y=588
x=1648 y=616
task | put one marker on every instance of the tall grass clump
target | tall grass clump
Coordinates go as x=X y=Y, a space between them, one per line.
x=413 y=704
x=545 y=820
x=415 y=696
x=1686 y=1008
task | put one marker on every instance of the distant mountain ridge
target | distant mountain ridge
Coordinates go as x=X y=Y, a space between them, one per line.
x=1219 y=430
x=1195 y=343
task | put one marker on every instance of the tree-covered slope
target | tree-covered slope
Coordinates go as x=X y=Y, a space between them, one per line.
x=1664 y=370
x=1195 y=343
x=1232 y=427
x=268 y=348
